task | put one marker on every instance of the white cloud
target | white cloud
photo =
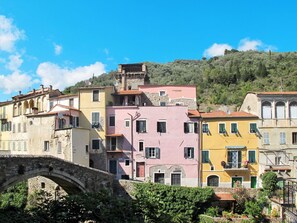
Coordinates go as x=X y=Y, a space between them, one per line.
x=58 y=49
x=247 y=44
x=216 y=50
x=9 y=34
x=15 y=82
x=59 y=77
x=15 y=61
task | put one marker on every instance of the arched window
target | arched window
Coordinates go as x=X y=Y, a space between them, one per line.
x=280 y=110
x=213 y=181
x=293 y=109
x=266 y=110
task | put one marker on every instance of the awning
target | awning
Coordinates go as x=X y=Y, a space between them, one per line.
x=114 y=135
x=235 y=147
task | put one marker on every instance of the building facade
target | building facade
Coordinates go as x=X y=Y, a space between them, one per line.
x=229 y=145
x=277 y=130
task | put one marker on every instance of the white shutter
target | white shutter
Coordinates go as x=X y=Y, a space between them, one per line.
x=293 y=110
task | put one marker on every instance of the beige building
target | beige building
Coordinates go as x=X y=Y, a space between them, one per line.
x=92 y=104
x=277 y=112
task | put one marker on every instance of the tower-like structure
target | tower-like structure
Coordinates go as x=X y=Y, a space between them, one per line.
x=129 y=76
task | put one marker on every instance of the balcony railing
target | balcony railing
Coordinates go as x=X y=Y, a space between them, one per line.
x=234 y=165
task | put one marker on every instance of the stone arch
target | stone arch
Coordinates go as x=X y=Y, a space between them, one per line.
x=70 y=184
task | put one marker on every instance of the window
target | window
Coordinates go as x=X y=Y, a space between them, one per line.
x=113 y=143
x=112 y=120
x=205 y=156
x=152 y=152
x=96 y=143
x=127 y=123
x=71 y=102
x=176 y=179
x=13 y=128
x=222 y=128
x=87 y=148
x=266 y=138
x=19 y=127
x=294 y=138
x=162 y=103
x=234 y=128
x=13 y=146
x=25 y=127
x=253 y=127
x=62 y=123
x=59 y=148
x=162 y=93
x=252 y=156
x=190 y=127
x=189 y=152
x=213 y=181
x=25 y=146
x=140 y=146
x=96 y=95
x=293 y=109
x=161 y=126
x=280 y=110
x=205 y=128
x=51 y=105
x=234 y=159
x=266 y=110
x=74 y=121
x=282 y=138
x=159 y=178
x=19 y=146
x=127 y=162
x=46 y=146
x=95 y=119
x=141 y=126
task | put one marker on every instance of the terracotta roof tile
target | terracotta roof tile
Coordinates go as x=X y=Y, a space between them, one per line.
x=277 y=93
x=129 y=92
x=222 y=114
x=194 y=113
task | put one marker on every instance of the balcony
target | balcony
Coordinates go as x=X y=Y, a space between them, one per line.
x=231 y=166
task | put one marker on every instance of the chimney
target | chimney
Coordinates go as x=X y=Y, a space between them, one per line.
x=20 y=92
x=50 y=87
x=42 y=88
x=34 y=90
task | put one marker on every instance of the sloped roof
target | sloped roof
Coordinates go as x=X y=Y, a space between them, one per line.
x=129 y=92
x=222 y=114
x=194 y=113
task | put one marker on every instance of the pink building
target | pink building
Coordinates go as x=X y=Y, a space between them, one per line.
x=154 y=143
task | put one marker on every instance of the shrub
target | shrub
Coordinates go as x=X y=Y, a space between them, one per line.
x=212 y=211
x=269 y=182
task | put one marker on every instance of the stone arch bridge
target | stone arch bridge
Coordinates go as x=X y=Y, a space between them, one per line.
x=73 y=178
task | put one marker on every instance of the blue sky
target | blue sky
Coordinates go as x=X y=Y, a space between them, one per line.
x=61 y=42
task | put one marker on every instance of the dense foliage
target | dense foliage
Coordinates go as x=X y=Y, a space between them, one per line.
x=161 y=203
x=14 y=197
x=236 y=72
x=269 y=182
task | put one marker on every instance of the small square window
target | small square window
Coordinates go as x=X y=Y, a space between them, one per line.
x=252 y=156
x=152 y=152
x=127 y=162
x=140 y=146
x=189 y=152
x=161 y=126
x=162 y=93
x=127 y=123
x=162 y=103
x=96 y=144
x=141 y=126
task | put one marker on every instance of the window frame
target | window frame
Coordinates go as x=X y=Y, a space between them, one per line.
x=253 y=161
x=277 y=111
x=266 y=140
x=205 y=130
x=95 y=125
x=217 y=177
x=141 y=148
x=162 y=103
x=46 y=146
x=189 y=152
x=282 y=138
x=152 y=152
x=203 y=156
x=219 y=128
x=231 y=129
x=172 y=179
x=111 y=121
x=138 y=130
x=162 y=93
x=160 y=128
x=263 y=105
x=294 y=138
x=127 y=121
x=94 y=93
x=99 y=144
x=190 y=127
x=251 y=128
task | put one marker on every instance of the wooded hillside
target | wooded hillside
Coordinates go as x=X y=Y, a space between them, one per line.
x=221 y=80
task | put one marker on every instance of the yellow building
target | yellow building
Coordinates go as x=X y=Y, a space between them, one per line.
x=229 y=145
x=92 y=104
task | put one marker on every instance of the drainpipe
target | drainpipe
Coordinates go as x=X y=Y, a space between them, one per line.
x=132 y=118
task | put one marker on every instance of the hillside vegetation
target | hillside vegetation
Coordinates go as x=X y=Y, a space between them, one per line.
x=221 y=80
